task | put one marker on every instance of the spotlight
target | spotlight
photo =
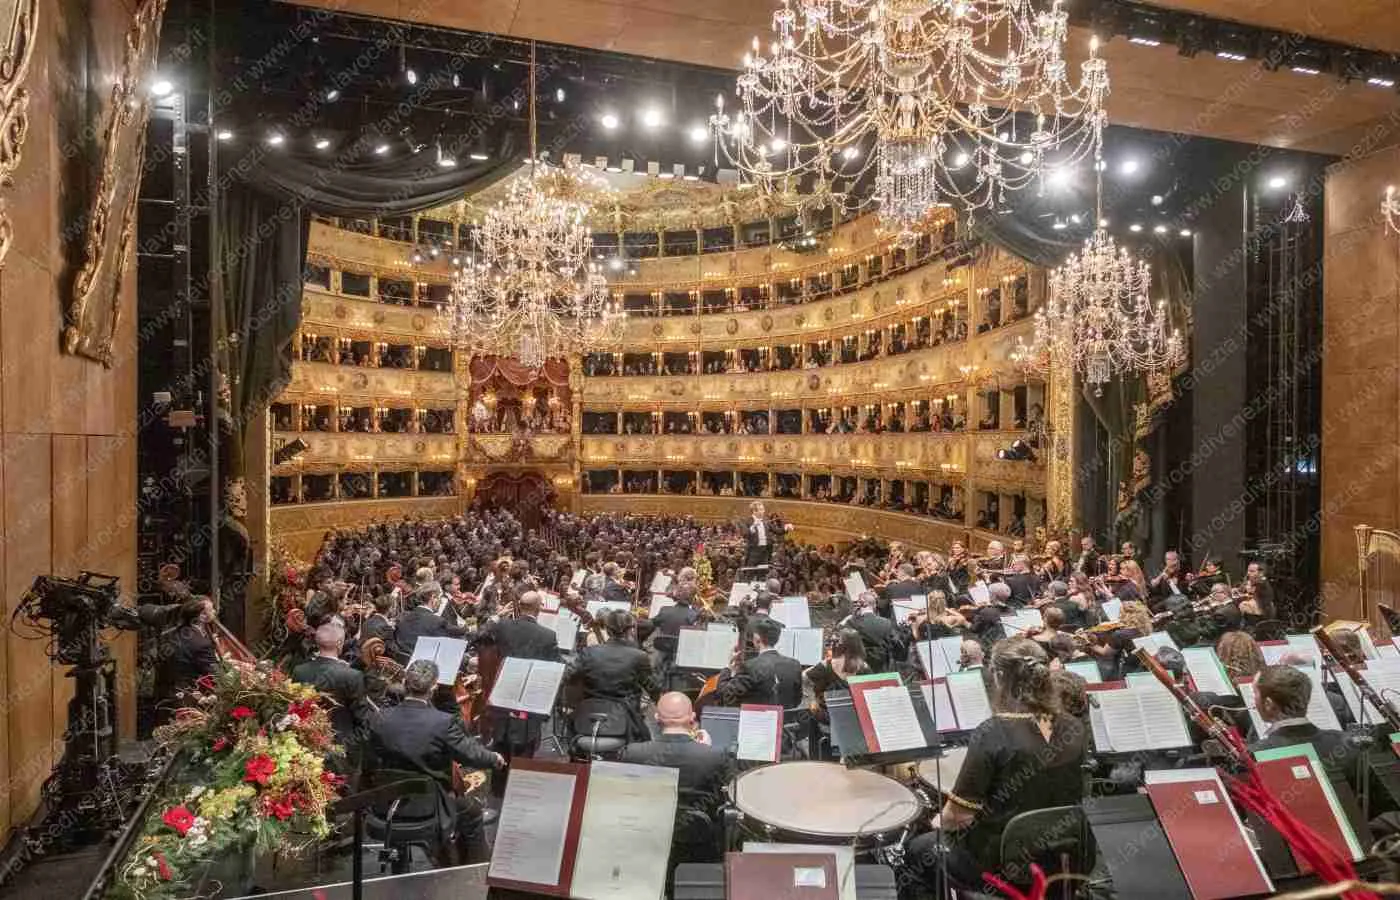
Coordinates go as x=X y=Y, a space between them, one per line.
x=558 y=95
x=1277 y=182
x=1185 y=232
x=1059 y=225
x=275 y=140
x=609 y=121
x=651 y=117
x=1156 y=199
x=698 y=134
x=162 y=87
x=382 y=149
x=1135 y=228
x=1060 y=178
x=1159 y=229
x=411 y=75
x=850 y=152
x=225 y=135
x=332 y=95
x=479 y=157
x=322 y=143
x=1130 y=166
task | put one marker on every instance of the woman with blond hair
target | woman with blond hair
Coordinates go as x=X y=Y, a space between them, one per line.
x=1134 y=585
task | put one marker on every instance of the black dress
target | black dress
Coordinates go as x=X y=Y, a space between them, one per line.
x=1010 y=768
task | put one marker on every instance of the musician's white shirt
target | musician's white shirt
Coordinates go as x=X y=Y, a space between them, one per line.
x=760 y=531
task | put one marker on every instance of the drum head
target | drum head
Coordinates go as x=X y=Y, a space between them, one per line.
x=941 y=773
x=825 y=800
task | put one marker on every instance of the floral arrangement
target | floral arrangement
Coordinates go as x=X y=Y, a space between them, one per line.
x=256 y=742
x=704 y=571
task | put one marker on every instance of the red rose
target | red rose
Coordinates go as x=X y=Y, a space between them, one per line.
x=205 y=682
x=302 y=709
x=332 y=779
x=242 y=712
x=281 y=810
x=178 y=818
x=259 y=769
x=164 y=867
x=220 y=743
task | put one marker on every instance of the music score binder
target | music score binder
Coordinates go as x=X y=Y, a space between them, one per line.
x=1206 y=834
x=1297 y=778
x=527 y=685
x=959 y=701
x=849 y=737
x=780 y=876
x=709 y=648
x=561 y=823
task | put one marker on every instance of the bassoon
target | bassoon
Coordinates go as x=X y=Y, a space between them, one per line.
x=1334 y=653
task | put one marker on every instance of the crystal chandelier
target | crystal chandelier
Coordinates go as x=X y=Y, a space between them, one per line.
x=531 y=290
x=1390 y=209
x=1098 y=319
x=942 y=99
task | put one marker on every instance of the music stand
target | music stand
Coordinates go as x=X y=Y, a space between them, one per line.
x=848 y=738
x=722 y=725
x=356 y=804
x=1135 y=849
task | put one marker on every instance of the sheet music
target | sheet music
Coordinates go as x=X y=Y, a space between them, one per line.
x=660 y=583
x=1154 y=642
x=527 y=685
x=1206 y=670
x=565 y=626
x=1112 y=609
x=759 y=727
x=549 y=602
x=979 y=593
x=970 y=701
x=597 y=607
x=845 y=861
x=577 y=581
x=1022 y=620
x=793 y=612
x=855 y=586
x=1142 y=719
x=893 y=720
x=802 y=644
x=1384 y=677
x=1368 y=646
x=703 y=649
x=1096 y=725
x=1086 y=669
x=906 y=605
x=940 y=704
x=658 y=603
x=1307 y=644
x=445 y=652
x=940 y=656
x=740 y=590
x=534 y=821
x=625 y=836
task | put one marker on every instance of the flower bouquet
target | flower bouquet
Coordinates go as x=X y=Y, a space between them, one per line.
x=254 y=745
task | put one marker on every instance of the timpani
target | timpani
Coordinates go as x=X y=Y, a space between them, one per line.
x=823 y=803
x=939 y=774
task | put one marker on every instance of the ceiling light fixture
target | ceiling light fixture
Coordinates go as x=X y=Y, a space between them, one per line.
x=479 y=157
x=275 y=139
x=224 y=135
x=1231 y=55
x=652 y=118
x=382 y=149
x=332 y=95
x=609 y=121
x=162 y=87
x=322 y=143
x=1130 y=166
x=1145 y=42
x=1377 y=81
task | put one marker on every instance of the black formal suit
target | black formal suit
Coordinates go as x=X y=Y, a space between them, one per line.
x=1024 y=587
x=186 y=654
x=672 y=619
x=620 y=671
x=704 y=771
x=758 y=547
x=377 y=626
x=616 y=592
x=416 y=737
x=1334 y=749
x=883 y=646
x=769 y=679
x=420 y=622
x=897 y=590
x=524 y=638
x=346 y=686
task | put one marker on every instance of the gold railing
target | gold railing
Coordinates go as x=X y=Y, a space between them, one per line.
x=349 y=451
x=323 y=383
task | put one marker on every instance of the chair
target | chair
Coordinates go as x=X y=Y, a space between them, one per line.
x=1270 y=630
x=1058 y=839
x=405 y=818
x=601 y=727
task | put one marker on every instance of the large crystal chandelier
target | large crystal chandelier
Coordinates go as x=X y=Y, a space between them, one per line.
x=1098 y=319
x=944 y=99
x=1390 y=209
x=531 y=290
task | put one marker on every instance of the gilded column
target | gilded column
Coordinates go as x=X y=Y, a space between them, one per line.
x=462 y=392
x=1059 y=492
x=576 y=430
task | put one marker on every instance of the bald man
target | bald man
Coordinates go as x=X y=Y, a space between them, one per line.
x=334 y=677
x=704 y=772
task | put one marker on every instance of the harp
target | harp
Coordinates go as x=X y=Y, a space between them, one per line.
x=1378 y=570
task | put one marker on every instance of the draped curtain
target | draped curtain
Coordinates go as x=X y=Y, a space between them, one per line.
x=526 y=495
x=554 y=371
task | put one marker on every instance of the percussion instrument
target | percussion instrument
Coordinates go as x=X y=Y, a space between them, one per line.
x=823 y=803
x=940 y=773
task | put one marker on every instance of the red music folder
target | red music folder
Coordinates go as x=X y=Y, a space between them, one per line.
x=1206 y=834
x=906 y=723
x=1295 y=776
x=529 y=799
x=780 y=876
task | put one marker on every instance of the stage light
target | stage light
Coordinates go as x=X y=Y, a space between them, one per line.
x=332 y=95
x=382 y=149
x=1156 y=199
x=777 y=145
x=558 y=95
x=1059 y=225
x=411 y=75
x=651 y=117
x=1103 y=223
x=275 y=140
x=162 y=87
x=456 y=79
x=1027 y=158
x=1377 y=81
x=1277 y=182
x=699 y=134
x=1061 y=178
x=1135 y=228
x=1231 y=55
x=225 y=135
x=1185 y=232
x=1159 y=229
x=322 y=143
x=479 y=157
x=609 y=121
x=1130 y=166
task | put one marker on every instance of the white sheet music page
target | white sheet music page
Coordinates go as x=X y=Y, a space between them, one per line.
x=1123 y=726
x=541 y=687
x=793 y=612
x=802 y=644
x=658 y=603
x=970 y=701
x=625 y=837
x=855 y=586
x=758 y=733
x=1113 y=609
x=1166 y=726
x=531 y=830
x=660 y=583
x=893 y=719
x=444 y=652
x=598 y=607
x=940 y=656
x=1207 y=671
x=510 y=681
x=549 y=602
x=696 y=648
x=566 y=626
x=739 y=590
x=979 y=593
x=914 y=603
x=1086 y=669
x=720 y=641
x=940 y=705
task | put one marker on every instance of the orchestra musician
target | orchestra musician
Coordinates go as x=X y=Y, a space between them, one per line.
x=1023 y=584
x=994 y=563
x=415 y=738
x=1126 y=552
x=1260 y=602
x=186 y=651
x=768 y=678
x=1133 y=585
x=377 y=624
x=883 y=646
x=334 y=678
x=938 y=622
x=522 y=636
x=1170 y=584
x=1026 y=757
x=1088 y=561
x=1283 y=693
x=959 y=571
x=420 y=619
x=615 y=590
x=704 y=773
x=618 y=670
x=904 y=586
x=847 y=659
x=1053 y=565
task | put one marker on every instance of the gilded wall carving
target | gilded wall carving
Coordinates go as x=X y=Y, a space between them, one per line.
x=500 y=448
x=323 y=312
x=19 y=27
x=323 y=383
x=345 y=450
